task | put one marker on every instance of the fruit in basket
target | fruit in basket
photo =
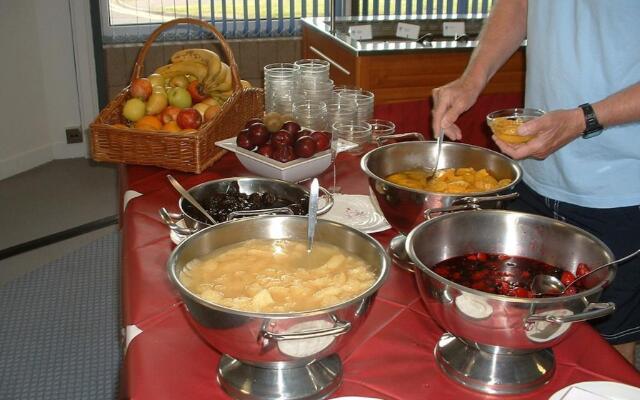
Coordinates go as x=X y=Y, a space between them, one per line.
x=204 y=56
x=179 y=81
x=305 y=147
x=202 y=108
x=149 y=123
x=211 y=112
x=157 y=80
x=170 y=113
x=183 y=68
x=291 y=126
x=258 y=134
x=197 y=91
x=141 y=88
x=179 y=97
x=171 y=126
x=283 y=138
x=156 y=103
x=134 y=109
x=189 y=118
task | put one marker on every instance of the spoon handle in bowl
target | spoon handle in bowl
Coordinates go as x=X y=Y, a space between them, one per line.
x=177 y=186
x=313 y=212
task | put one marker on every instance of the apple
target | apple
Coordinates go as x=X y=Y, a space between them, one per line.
x=134 y=109
x=258 y=134
x=283 y=154
x=283 y=138
x=180 y=81
x=156 y=80
x=322 y=139
x=156 y=103
x=197 y=91
x=242 y=140
x=179 y=97
x=291 y=126
x=305 y=147
x=211 y=101
x=189 y=118
x=141 y=88
x=302 y=132
x=252 y=121
x=265 y=150
x=170 y=113
x=202 y=108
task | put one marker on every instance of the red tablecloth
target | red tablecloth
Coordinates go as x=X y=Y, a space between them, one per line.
x=166 y=359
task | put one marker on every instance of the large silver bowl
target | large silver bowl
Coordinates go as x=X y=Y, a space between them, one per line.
x=404 y=208
x=193 y=221
x=278 y=355
x=490 y=325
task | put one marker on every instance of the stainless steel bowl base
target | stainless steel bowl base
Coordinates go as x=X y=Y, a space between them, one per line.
x=399 y=254
x=316 y=380
x=493 y=372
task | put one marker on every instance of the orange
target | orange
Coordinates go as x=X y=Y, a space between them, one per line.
x=171 y=126
x=149 y=122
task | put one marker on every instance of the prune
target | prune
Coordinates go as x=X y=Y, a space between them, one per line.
x=221 y=205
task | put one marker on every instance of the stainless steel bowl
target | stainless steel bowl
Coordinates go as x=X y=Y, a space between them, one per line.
x=263 y=347
x=404 y=208
x=498 y=325
x=203 y=192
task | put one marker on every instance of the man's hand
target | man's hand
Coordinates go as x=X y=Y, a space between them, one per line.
x=553 y=130
x=449 y=101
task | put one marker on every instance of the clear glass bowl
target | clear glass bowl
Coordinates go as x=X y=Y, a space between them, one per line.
x=504 y=123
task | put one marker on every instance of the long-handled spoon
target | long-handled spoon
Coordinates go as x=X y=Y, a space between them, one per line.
x=432 y=171
x=177 y=186
x=312 y=215
x=550 y=285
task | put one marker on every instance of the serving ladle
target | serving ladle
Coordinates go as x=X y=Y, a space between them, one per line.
x=431 y=171
x=543 y=284
x=178 y=187
x=312 y=215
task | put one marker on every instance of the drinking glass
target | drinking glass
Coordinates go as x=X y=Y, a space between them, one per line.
x=381 y=127
x=311 y=114
x=364 y=102
x=280 y=87
x=351 y=133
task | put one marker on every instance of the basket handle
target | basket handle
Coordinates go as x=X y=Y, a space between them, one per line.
x=139 y=64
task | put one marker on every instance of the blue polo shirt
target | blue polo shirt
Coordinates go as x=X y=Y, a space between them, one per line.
x=581 y=51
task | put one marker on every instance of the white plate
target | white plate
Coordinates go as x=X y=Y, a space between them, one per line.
x=597 y=389
x=293 y=171
x=358 y=212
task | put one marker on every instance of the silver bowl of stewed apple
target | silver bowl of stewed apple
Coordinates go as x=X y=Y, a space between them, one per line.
x=278 y=312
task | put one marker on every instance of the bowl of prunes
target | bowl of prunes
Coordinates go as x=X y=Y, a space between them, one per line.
x=275 y=146
x=239 y=197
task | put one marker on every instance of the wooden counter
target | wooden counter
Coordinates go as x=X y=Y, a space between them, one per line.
x=399 y=77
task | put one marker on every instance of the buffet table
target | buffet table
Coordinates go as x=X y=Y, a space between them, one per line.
x=166 y=359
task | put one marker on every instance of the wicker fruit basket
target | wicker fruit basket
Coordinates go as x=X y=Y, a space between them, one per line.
x=184 y=151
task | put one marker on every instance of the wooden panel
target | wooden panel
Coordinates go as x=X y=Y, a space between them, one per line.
x=404 y=77
x=315 y=43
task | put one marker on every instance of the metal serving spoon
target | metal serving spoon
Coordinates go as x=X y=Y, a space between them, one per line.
x=550 y=285
x=432 y=171
x=312 y=216
x=177 y=186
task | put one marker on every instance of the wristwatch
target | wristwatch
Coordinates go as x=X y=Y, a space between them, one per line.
x=593 y=127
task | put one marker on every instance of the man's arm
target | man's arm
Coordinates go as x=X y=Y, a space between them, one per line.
x=501 y=36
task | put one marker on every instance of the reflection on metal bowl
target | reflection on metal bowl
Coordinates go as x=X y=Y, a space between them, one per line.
x=404 y=208
x=278 y=355
x=513 y=333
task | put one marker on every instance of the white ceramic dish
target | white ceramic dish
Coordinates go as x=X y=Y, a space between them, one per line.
x=293 y=171
x=358 y=212
x=597 y=389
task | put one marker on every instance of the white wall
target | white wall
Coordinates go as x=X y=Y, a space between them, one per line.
x=38 y=88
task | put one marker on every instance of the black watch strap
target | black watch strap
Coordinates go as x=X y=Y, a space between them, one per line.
x=593 y=127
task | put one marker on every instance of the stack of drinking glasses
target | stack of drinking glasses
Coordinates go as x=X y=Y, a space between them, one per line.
x=313 y=80
x=363 y=100
x=280 y=87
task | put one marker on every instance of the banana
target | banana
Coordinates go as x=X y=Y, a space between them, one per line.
x=213 y=85
x=195 y=68
x=205 y=56
x=227 y=84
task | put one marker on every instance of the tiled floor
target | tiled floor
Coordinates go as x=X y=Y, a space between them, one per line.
x=51 y=198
